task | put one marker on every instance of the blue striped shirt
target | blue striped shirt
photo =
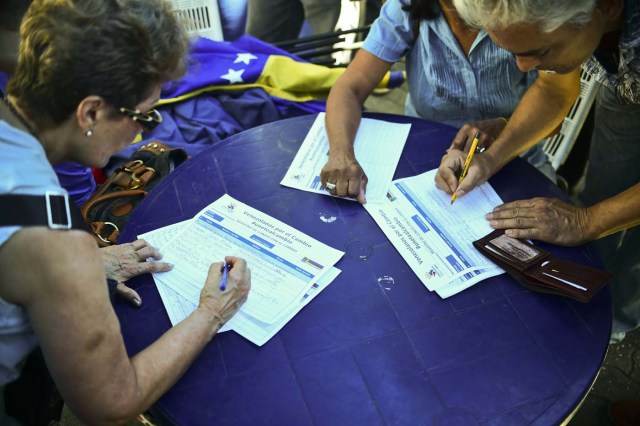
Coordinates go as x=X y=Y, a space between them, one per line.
x=444 y=84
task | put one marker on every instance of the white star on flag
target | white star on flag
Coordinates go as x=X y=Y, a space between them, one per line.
x=233 y=76
x=245 y=58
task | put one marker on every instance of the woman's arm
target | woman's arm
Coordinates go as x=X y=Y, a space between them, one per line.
x=344 y=112
x=59 y=277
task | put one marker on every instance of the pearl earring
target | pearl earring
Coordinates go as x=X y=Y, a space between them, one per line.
x=89 y=133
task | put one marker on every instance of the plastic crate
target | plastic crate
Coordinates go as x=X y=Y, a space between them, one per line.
x=558 y=146
x=201 y=16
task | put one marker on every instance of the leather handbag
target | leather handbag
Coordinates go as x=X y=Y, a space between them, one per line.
x=109 y=208
x=535 y=268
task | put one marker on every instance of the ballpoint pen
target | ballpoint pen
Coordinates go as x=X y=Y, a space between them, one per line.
x=467 y=162
x=225 y=273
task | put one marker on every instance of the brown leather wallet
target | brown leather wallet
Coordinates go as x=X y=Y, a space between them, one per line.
x=537 y=270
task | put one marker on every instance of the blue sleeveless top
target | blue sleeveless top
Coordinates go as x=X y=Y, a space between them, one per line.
x=24 y=169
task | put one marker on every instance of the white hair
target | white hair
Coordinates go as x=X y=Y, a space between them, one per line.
x=550 y=14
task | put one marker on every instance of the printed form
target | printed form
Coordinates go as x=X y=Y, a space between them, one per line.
x=378 y=147
x=285 y=263
x=434 y=236
x=178 y=307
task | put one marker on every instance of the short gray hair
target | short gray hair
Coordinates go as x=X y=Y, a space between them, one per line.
x=550 y=14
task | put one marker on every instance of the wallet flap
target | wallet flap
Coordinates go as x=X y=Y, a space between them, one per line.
x=510 y=252
x=537 y=270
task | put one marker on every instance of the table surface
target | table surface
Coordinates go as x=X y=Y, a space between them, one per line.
x=375 y=347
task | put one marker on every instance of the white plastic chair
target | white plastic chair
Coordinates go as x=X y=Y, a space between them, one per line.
x=202 y=17
x=352 y=16
x=558 y=146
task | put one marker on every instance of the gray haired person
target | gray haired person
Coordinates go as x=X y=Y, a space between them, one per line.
x=559 y=36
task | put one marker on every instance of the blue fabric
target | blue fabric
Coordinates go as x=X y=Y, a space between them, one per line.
x=444 y=84
x=77 y=179
x=200 y=110
x=206 y=119
x=213 y=63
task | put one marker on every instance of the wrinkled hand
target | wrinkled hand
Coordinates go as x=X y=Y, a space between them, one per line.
x=347 y=176
x=124 y=261
x=223 y=304
x=489 y=131
x=544 y=219
x=451 y=166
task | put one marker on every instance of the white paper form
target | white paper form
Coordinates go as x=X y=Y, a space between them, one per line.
x=378 y=146
x=434 y=236
x=259 y=332
x=284 y=261
x=178 y=307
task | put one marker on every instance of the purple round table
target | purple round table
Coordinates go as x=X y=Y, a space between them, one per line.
x=375 y=347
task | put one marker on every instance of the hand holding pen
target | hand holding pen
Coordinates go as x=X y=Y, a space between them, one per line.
x=225 y=290
x=467 y=163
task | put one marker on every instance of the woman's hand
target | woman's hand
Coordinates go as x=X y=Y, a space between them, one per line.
x=451 y=166
x=125 y=261
x=223 y=304
x=344 y=177
x=488 y=129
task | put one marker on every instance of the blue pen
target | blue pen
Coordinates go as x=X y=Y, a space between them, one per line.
x=225 y=273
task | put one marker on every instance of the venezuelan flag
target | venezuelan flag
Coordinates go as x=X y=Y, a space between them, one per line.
x=248 y=63
x=231 y=86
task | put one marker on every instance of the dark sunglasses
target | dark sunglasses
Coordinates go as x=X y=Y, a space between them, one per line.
x=148 y=120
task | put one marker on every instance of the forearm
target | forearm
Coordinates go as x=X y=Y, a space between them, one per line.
x=344 y=113
x=614 y=214
x=159 y=366
x=346 y=99
x=131 y=385
x=540 y=111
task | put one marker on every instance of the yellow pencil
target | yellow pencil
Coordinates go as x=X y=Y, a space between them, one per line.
x=467 y=162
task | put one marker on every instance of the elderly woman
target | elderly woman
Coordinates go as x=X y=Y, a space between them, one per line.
x=88 y=75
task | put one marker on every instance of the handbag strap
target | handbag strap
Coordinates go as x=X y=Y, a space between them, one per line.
x=52 y=210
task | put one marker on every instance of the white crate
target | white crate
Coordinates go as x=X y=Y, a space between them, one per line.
x=202 y=17
x=558 y=146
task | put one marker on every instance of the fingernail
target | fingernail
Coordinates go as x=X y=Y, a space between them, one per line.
x=170 y=265
x=137 y=302
x=460 y=192
x=489 y=216
x=509 y=232
x=493 y=223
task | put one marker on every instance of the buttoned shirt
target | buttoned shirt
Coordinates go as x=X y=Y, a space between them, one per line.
x=625 y=80
x=445 y=84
